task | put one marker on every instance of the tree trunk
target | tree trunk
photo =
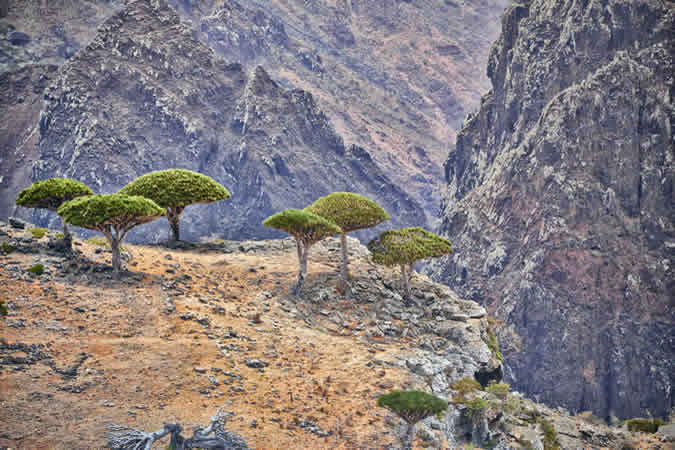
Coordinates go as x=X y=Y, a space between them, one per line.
x=116 y=260
x=344 y=269
x=173 y=215
x=408 y=436
x=405 y=281
x=303 y=251
x=67 y=237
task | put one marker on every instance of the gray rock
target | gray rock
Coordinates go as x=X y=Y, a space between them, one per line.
x=18 y=38
x=17 y=223
x=668 y=432
x=562 y=187
x=256 y=363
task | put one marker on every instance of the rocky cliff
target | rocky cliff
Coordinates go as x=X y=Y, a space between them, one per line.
x=145 y=95
x=560 y=203
x=396 y=77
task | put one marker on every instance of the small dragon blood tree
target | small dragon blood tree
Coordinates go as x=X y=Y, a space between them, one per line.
x=50 y=194
x=174 y=189
x=307 y=229
x=406 y=246
x=111 y=214
x=412 y=407
x=350 y=212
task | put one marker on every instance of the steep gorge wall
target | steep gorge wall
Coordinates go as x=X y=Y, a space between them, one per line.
x=560 y=203
x=146 y=95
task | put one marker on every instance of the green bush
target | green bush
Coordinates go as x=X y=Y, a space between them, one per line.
x=550 y=436
x=493 y=344
x=6 y=248
x=98 y=241
x=59 y=235
x=38 y=233
x=476 y=406
x=644 y=425
x=465 y=386
x=500 y=390
x=37 y=269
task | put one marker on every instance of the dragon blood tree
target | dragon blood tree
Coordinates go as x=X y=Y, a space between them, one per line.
x=307 y=229
x=174 y=189
x=50 y=194
x=350 y=212
x=111 y=214
x=412 y=407
x=406 y=246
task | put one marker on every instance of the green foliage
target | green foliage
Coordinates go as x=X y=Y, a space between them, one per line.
x=6 y=248
x=500 y=390
x=463 y=387
x=59 y=235
x=37 y=269
x=303 y=225
x=407 y=245
x=349 y=211
x=493 y=345
x=644 y=425
x=550 y=436
x=51 y=193
x=38 y=233
x=98 y=241
x=476 y=406
x=412 y=406
x=96 y=211
x=3 y=308
x=176 y=188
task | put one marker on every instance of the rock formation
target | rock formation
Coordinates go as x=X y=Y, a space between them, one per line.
x=396 y=77
x=145 y=95
x=560 y=203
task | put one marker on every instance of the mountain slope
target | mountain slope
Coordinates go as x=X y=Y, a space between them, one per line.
x=396 y=77
x=560 y=203
x=145 y=95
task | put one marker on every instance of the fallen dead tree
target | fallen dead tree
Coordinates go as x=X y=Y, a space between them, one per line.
x=121 y=437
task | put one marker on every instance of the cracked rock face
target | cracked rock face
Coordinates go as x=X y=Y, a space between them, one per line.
x=560 y=204
x=146 y=95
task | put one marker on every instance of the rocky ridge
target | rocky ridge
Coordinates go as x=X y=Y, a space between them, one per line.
x=188 y=330
x=145 y=95
x=395 y=77
x=560 y=204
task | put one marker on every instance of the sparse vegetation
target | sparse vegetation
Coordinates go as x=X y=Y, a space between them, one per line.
x=492 y=341
x=3 y=308
x=406 y=246
x=463 y=387
x=307 y=229
x=644 y=425
x=6 y=248
x=411 y=406
x=51 y=194
x=550 y=436
x=350 y=212
x=38 y=233
x=114 y=215
x=476 y=407
x=37 y=269
x=174 y=189
x=499 y=390
x=98 y=241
